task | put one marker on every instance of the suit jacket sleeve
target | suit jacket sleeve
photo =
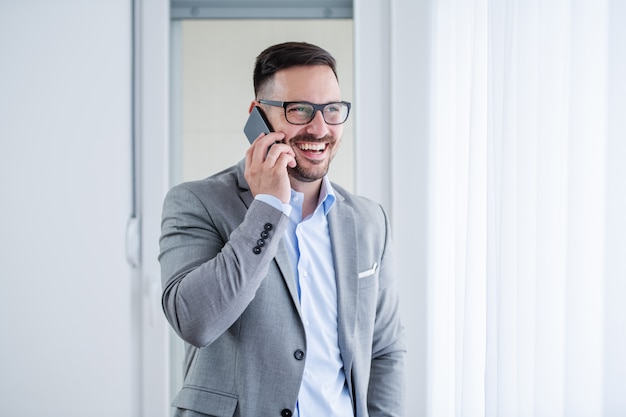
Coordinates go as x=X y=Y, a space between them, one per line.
x=209 y=269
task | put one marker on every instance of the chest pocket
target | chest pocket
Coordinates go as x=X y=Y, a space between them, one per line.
x=367 y=278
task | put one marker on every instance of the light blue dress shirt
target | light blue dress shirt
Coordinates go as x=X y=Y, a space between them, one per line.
x=323 y=391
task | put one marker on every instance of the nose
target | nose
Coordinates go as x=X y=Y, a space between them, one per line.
x=317 y=127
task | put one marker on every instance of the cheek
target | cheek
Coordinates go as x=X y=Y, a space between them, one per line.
x=279 y=124
x=290 y=130
x=335 y=149
x=337 y=132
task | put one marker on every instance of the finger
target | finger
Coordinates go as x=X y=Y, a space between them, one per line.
x=276 y=154
x=248 y=158
x=267 y=147
x=255 y=155
x=286 y=160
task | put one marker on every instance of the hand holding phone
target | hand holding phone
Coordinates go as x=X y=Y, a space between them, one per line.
x=260 y=170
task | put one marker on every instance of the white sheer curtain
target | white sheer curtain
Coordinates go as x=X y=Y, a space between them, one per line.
x=527 y=261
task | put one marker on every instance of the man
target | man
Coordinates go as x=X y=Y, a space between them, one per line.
x=281 y=283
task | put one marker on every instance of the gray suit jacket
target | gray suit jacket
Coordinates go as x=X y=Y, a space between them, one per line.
x=237 y=308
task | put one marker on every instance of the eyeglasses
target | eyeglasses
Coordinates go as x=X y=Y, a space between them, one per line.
x=303 y=112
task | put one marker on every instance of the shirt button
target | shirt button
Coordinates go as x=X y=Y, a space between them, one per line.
x=298 y=354
x=286 y=413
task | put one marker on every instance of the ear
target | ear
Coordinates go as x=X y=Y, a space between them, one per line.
x=254 y=103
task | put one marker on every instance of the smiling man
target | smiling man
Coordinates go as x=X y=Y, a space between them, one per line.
x=280 y=282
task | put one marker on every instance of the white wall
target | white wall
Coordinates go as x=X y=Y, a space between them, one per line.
x=65 y=180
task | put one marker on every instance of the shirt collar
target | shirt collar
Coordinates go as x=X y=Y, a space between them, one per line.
x=327 y=195
x=326 y=199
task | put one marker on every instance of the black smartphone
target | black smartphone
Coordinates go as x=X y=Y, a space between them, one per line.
x=257 y=123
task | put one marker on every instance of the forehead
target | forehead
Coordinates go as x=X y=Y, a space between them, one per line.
x=314 y=83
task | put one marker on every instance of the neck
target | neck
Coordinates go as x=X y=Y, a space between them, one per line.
x=311 y=191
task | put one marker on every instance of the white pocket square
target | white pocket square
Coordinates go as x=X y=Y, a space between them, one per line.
x=369 y=272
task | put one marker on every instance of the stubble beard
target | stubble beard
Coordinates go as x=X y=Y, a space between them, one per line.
x=311 y=174
x=314 y=170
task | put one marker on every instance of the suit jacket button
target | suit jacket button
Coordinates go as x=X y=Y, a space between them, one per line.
x=260 y=242
x=298 y=354
x=256 y=250
x=268 y=226
x=264 y=234
x=286 y=413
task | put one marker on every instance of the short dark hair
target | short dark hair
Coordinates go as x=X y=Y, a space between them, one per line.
x=287 y=55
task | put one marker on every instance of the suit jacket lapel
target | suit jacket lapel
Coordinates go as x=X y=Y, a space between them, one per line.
x=343 y=235
x=284 y=265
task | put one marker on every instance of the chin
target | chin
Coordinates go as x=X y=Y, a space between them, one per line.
x=308 y=175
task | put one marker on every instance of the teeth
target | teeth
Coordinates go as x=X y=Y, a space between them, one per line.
x=312 y=146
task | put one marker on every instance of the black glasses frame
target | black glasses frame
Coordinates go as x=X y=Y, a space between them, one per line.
x=316 y=108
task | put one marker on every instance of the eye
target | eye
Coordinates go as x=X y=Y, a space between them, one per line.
x=299 y=113
x=333 y=107
x=299 y=108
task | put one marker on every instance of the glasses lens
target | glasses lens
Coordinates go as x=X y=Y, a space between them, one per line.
x=303 y=113
x=299 y=113
x=335 y=113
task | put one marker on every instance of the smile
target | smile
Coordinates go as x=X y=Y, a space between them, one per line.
x=316 y=147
